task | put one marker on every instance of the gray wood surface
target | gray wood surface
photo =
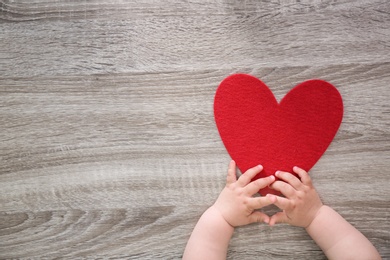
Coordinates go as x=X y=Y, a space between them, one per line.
x=108 y=144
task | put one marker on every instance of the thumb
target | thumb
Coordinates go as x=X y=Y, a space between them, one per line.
x=259 y=217
x=279 y=217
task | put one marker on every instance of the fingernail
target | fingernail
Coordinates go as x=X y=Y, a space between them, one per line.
x=260 y=166
x=272 y=177
x=277 y=173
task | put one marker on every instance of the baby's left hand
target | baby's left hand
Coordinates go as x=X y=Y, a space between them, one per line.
x=301 y=202
x=236 y=202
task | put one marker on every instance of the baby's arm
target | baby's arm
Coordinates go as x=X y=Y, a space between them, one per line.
x=302 y=207
x=234 y=207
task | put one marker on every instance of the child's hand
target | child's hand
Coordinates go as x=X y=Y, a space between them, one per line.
x=301 y=204
x=236 y=202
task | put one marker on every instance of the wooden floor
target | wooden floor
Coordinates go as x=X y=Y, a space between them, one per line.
x=108 y=144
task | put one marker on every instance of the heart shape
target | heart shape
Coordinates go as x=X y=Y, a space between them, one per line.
x=256 y=129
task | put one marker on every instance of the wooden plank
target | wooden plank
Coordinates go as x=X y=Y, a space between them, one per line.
x=341 y=34
x=118 y=9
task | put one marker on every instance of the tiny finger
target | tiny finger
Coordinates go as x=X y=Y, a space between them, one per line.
x=305 y=178
x=257 y=216
x=279 y=217
x=259 y=184
x=249 y=174
x=259 y=202
x=278 y=201
x=290 y=179
x=231 y=176
x=285 y=188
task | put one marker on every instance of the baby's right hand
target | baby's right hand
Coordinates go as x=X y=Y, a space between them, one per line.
x=236 y=203
x=301 y=203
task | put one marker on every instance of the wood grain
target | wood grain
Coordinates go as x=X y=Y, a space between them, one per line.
x=271 y=35
x=108 y=145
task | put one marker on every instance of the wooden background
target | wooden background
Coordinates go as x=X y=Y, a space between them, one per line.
x=108 y=144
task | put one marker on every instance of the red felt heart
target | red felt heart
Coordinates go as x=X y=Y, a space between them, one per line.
x=256 y=129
